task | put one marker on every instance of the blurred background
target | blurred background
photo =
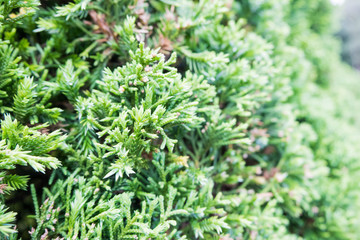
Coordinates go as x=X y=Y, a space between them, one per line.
x=349 y=11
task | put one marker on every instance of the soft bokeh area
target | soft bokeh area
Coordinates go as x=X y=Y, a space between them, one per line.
x=350 y=32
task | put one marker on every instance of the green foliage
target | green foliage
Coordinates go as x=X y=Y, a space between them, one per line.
x=8 y=10
x=6 y=221
x=177 y=120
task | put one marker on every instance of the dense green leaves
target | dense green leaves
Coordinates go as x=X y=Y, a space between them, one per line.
x=177 y=120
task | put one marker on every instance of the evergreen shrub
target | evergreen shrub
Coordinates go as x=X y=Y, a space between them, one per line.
x=209 y=119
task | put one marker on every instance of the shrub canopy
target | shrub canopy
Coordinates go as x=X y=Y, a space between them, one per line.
x=210 y=119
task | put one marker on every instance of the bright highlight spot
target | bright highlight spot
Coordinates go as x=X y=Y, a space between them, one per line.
x=337 y=2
